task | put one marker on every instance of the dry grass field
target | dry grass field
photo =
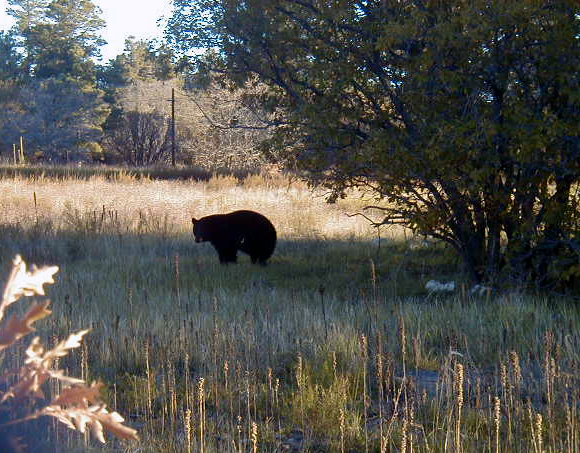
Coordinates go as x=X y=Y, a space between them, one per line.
x=335 y=346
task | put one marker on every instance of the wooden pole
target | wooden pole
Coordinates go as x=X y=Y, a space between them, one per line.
x=173 y=127
x=21 y=150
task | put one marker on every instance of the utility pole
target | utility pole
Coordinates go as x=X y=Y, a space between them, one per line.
x=173 y=127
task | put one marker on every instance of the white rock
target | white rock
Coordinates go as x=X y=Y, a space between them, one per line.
x=479 y=290
x=438 y=287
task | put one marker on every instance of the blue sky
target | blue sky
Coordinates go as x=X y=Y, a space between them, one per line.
x=124 y=18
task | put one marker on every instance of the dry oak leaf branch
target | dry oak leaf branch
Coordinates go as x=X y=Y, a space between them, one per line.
x=78 y=405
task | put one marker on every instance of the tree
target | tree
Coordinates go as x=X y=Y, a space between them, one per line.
x=59 y=36
x=55 y=116
x=137 y=84
x=222 y=128
x=140 y=60
x=28 y=15
x=142 y=68
x=10 y=59
x=461 y=118
x=10 y=77
x=52 y=100
x=67 y=40
x=142 y=138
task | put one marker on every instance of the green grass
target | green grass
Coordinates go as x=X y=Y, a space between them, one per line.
x=335 y=340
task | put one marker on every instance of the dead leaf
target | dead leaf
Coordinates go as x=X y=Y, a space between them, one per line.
x=112 y=421
x=78 y=395
x=15 y=328
x=24 y=283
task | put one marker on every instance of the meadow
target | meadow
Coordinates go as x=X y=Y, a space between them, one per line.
x=335 y=346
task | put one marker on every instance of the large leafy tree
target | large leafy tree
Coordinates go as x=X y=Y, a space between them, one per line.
x=461 y=118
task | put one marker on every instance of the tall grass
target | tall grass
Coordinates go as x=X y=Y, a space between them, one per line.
x=335 y=346
x=8 y=170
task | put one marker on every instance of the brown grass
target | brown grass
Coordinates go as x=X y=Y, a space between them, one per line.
x=296 y=211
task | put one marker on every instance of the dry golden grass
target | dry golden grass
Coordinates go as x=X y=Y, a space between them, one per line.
x=295 y=210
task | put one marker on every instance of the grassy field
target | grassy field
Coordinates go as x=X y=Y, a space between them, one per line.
x=335 y=346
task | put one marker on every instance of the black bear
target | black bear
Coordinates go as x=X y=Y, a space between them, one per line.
x=248 y=231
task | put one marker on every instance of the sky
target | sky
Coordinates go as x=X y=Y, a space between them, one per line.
x=124 y=18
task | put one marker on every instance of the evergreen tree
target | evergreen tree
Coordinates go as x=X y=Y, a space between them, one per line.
x=67 y=39
x=58 y=108
x=59 y=118
x=28 y=15
x=141 y=66
x=10 y=59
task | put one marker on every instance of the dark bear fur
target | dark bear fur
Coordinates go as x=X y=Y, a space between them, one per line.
x=248 y=231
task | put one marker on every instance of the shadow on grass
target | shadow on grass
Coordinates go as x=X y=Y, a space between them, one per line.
x=165 y=314
x=340 y=267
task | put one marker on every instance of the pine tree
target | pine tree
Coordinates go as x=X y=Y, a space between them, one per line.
x=59 y=109
x=10 y=59
x=28 y=15
x=67 y=40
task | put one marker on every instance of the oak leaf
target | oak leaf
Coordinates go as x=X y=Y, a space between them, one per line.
x=15 y=328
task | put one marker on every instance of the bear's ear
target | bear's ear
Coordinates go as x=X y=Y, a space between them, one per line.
x=193 y=220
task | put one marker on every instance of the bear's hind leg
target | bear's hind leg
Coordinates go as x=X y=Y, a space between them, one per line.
x=252 y=247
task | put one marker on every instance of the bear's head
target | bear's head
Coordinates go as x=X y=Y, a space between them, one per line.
x=199 y=230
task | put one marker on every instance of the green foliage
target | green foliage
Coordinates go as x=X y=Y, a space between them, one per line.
x=142 y=60
x=58 y=37
x=56 y=106
x=56 y=116
x=460 y=118
x=10 y=59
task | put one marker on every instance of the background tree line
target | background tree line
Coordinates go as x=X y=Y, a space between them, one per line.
x=68 y=107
